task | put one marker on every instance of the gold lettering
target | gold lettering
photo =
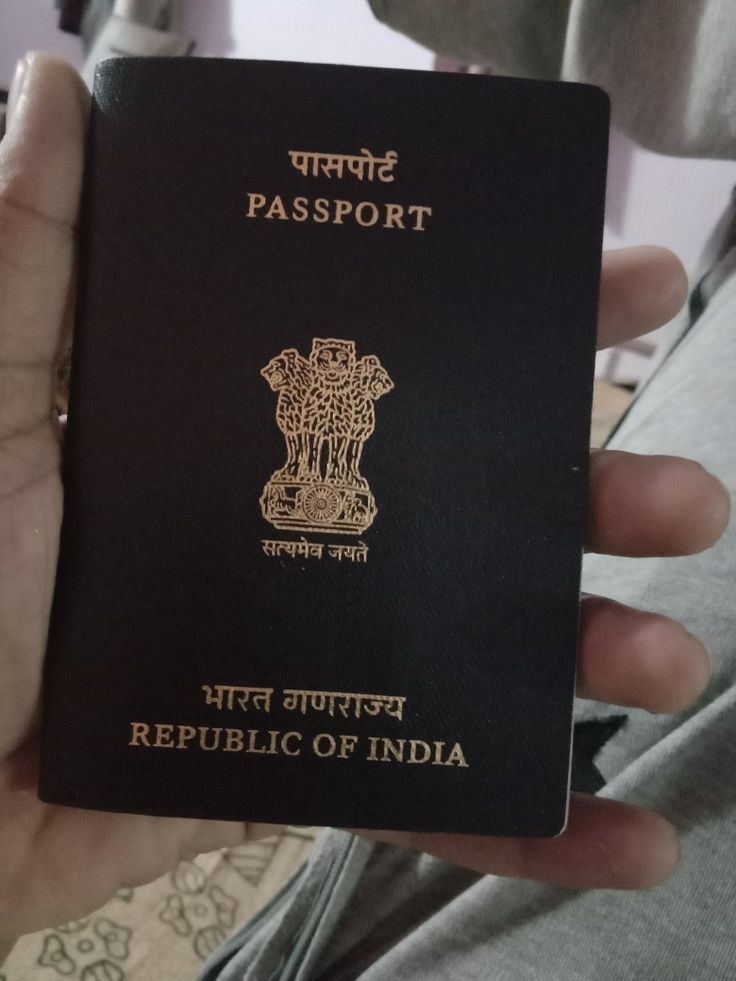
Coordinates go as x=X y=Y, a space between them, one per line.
x=163 y=738
x=456 y=757
x=299 y=210
x=321 y=209
x=387 y=750
x=203 y=730
x=389 y=162
x=342 y=208
x=333 y=163
x=346 y=700
x=255 y=203
x=311 y=163
x=215 y=696
x=396 y=749
x=285 y=743
x=357 y=165
x=277 y=208
x=373 y=704
x=414 y=746
x=394 y=214
x=233 y=740
x=252 y=741
x=271 y=742
x=338 y=211
x=317 y=742
x=420 y=210
x=262 y=695
x=186 y=734
x=394 y=703
x=294 y=695
x=373 y=212
x=302 y=161
x=347 y=745
x=139 y=734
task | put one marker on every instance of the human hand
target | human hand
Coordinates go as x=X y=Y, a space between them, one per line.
x=59 y=863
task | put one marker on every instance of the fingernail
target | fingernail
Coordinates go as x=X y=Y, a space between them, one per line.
x=16 y=88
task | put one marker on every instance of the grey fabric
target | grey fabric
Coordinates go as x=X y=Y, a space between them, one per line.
x=161 y=15
x=285 y=938
x=96 y=15
x=526 y=37
x=670 y=65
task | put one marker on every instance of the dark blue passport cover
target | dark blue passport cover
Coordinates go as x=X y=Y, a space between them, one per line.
x=326 y=457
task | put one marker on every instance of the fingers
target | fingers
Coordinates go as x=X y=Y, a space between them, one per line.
x=607 y=845
x=641 y=289
x=653 y=505
x=646 y=505
x=643 y=660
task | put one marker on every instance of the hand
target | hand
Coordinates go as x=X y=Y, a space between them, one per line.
x=59 y=863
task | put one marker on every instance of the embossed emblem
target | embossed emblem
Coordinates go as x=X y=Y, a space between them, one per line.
x=326 y=412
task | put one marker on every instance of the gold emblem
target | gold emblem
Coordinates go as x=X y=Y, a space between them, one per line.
x=326 y=412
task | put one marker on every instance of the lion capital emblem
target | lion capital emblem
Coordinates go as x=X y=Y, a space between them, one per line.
x=325 y=409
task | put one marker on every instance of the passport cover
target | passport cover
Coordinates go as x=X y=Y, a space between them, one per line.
x=326 y=458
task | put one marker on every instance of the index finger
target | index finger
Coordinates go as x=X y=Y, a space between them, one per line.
x=607 y=844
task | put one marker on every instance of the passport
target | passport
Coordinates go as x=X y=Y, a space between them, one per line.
x=326 y=459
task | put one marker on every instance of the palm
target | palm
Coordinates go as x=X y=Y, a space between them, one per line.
x=57 y=863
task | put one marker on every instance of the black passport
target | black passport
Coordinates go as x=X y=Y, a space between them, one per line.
x=326 y=458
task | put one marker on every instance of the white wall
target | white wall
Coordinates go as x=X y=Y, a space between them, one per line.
x=332 y=31
x=664 y=201
x=670 y=200
x=31 y=24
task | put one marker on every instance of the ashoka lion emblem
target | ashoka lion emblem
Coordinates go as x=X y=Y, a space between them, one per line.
x=326 y=411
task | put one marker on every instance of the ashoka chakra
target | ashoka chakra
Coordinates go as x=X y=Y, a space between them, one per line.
x=321 y=504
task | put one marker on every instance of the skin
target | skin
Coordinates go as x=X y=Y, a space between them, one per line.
x=59 y=863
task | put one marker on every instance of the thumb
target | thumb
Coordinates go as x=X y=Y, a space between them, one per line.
x=40 y=177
